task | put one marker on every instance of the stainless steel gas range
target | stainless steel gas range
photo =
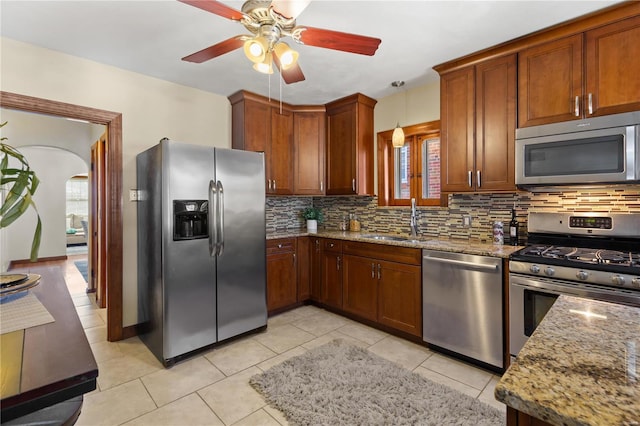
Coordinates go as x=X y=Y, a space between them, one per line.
x=595 y=256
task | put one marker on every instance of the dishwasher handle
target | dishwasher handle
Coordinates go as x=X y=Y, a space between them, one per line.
x=464 y=263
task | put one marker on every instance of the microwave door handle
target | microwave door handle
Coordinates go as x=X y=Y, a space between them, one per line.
x=220 y=223
x=213 y=232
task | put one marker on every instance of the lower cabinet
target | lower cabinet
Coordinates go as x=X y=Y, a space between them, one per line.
x=400 y=297
x=331 y=273
x=360 y=287
x=281 y=273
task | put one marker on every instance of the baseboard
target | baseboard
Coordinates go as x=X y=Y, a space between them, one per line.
x=130 y=331
x=26 y=262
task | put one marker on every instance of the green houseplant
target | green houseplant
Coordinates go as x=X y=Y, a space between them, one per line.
x=20 y=183
x=313 y=216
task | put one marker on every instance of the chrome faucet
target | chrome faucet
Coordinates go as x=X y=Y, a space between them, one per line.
x=414 y=219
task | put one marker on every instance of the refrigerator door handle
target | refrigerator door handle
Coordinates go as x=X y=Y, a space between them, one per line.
x=220 y=222
x=213 y=231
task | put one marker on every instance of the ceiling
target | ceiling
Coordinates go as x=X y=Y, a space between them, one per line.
x=150 y=37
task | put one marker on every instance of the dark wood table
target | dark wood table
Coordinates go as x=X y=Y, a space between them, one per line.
x=50 y=363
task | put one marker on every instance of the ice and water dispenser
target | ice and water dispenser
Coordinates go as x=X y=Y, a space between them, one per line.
x=190 y=219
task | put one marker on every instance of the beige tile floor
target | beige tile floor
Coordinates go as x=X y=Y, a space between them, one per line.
x=213 y=387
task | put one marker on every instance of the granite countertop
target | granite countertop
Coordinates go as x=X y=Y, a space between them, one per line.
x=452 y=245
x=579 y=367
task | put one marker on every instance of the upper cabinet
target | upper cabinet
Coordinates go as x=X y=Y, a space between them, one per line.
x=350 y=146
x=292 y=139
x=478 y=117
x=309 y=146
x=583 y=75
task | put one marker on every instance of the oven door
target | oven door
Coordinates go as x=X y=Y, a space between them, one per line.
x=530 y=298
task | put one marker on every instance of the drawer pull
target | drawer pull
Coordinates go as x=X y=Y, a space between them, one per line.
x=279 y=245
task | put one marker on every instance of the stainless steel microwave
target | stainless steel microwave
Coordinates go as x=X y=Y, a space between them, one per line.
x=599 y=150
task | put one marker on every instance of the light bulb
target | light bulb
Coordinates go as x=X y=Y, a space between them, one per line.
x=287 y=56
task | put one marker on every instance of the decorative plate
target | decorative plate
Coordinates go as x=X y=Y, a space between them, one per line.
x=32 y=280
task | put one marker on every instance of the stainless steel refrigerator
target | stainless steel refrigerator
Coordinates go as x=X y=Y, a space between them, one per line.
x=201 y=246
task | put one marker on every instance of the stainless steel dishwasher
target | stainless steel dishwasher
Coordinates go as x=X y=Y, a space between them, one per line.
x=462 y=304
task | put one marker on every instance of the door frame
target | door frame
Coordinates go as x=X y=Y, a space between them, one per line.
x=113 y=212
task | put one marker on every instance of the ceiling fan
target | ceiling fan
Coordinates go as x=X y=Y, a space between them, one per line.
x=269 y=21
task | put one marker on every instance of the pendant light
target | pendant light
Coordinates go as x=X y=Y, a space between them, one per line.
x=397 y=139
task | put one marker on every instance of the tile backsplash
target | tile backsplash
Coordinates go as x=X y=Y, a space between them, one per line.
x=446 y=222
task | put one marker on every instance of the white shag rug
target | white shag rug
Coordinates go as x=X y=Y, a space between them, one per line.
x=342 y=384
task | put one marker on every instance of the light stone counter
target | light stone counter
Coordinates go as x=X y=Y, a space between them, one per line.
x=580 y=366
x=451 y=245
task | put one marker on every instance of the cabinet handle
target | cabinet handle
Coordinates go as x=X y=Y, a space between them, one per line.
x=353 y=184
x=274 y=184
x=269 y=184
x=321 y=186
x=379 y=270
x=339 y=262
x=576 y=111
x=478 y=181
x=373 y=270
x=590 y=103
x=331 y=245
x=279 y=245
x=469 y=176
x=294 y=258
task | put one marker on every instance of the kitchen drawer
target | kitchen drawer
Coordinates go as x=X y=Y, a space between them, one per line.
x=281 y=245
x=334 y=246
x=391 y=253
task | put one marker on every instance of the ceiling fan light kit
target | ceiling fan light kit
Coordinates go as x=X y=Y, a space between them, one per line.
x=269 y=21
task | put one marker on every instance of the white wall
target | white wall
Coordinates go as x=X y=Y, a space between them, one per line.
x=54 y=167
x=151 y=109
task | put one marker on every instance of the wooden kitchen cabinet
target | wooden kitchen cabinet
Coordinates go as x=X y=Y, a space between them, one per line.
x=383 y=284
x=303 y=255
x=350 y=147
x=257 y=125
x=331 y=273
x=585 y=75
x=400 y=300
x=309 y=147
x=316 y=271
x=478 y=118
x=360 y=286
x=281 y=273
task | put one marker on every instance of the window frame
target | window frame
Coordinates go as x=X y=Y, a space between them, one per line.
x=386 y=165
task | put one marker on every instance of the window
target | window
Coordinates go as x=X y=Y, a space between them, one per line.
x=78 y=196
x=412 y=171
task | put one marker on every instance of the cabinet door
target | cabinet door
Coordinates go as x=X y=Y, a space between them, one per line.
x=316 y=270
x=613 y=68
x=281 y=280
x=360 y=286
x=457 y=103
x=495 y=124
x=309 y=138
x=332 y=279
x=399 y=298
x=550 y=82
x=280 y=159
x=303 y=255
x=341 y=151
x=257 y=126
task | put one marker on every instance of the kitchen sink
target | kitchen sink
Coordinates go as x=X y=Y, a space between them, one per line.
x=387 y=237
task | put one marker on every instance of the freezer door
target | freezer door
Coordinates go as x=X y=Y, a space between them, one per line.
x=189 y=279
x=241 y=242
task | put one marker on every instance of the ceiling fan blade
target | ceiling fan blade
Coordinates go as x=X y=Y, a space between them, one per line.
x=337 y=40
x=216 y=50
x=216 y=7
x=290 y=75
x=290 y=9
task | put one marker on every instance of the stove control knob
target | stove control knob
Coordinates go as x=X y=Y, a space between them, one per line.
x=582 y=275
x=635 y=282
x=549 y=271
x=617 y=279
x=535 y=269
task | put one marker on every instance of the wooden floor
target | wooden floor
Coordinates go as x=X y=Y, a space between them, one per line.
x=75 y=281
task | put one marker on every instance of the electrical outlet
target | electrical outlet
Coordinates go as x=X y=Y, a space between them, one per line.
x=134 y=195
x=466 y=221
